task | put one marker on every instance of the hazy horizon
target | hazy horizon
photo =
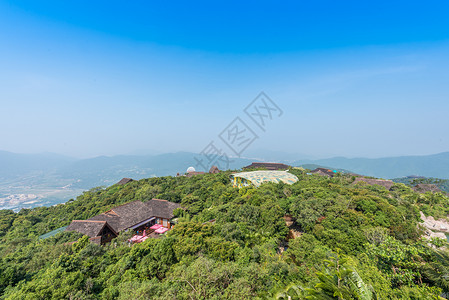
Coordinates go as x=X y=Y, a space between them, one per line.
x=261 y=154
x=352 y=80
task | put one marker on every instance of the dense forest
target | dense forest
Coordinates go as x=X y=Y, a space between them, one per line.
x=348 y=241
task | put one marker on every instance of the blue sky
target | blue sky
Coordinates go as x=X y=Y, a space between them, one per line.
x=108 y=77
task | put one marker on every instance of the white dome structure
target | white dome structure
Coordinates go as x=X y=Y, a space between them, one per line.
x=190 y=170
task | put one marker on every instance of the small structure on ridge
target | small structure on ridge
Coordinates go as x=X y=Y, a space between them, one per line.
x=214 y=170
x=324 y=172
x=192 y=172
x=125 y=181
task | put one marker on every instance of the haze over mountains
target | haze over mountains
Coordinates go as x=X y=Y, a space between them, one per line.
x=436 y=165
x=14 y=164
x=28 y=180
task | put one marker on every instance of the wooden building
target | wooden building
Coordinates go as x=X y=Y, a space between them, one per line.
x=124 y=181
x=323 y=172
x=214 y=170
x=136 y=215
x=99 y=232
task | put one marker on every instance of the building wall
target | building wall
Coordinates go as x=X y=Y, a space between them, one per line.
x=163 y=222
x=107 y=235
x=240 y=182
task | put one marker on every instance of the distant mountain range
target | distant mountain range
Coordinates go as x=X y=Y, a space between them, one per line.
x=106 y=170
x=49 y=178
x=29 y=180
x=436 y=165
x=15 y=164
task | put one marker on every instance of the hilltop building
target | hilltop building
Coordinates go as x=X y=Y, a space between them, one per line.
x=214 y=170
x=324 y=172
x=136 y=215
x=267 y=166
x=192 y=172
x=124 y=181
x=256 y=178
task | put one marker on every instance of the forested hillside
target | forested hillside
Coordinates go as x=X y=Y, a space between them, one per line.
x=50 y=179
x=353 y=242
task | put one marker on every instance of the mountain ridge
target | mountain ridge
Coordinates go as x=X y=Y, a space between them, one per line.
x=434 y=165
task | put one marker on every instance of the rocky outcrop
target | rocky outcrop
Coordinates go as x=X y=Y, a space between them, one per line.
x=434 y=228
x=388 y=184
x=289 y=220
x=424 y=188
x=294 y=230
